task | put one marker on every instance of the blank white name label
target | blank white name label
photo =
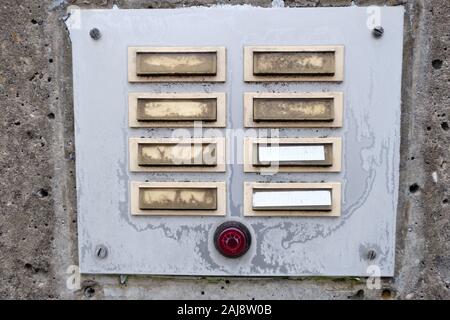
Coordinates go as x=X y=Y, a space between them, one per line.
x=295 y=199
x=291 y=153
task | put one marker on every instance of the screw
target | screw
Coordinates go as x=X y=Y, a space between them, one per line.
x=101 y=252
x=95 y=34
x=371 y=255
x=378 y=32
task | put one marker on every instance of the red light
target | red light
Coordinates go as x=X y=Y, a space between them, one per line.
x=232 y=239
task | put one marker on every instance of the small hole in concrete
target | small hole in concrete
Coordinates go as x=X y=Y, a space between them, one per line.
x=437 y=63
x=203 y=292
x=428 y=128
x=17 y=123
x=28 y=266
x=50 y=60
x=42 y=193
x=227 y=281
x=358 y=295
x=414 y=188
x=51 y=115
x=33 y=21
x=386 y=294
x=445 y=201
x=444 y=125
x=89 y=292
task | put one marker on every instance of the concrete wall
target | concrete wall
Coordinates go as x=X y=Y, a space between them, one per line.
x=38 y=236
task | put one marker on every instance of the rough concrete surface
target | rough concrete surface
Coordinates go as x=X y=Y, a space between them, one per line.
x=38 y=240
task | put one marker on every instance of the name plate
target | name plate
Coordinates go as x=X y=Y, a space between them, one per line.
x=176 y=63
x=292 y=199
x=293 y=110
x=178 y=198
x=177 y=155
x=292 y=154
x=155 y=110
x=176 y=109
x=293 y=63
x=307 y=154
x=169 y=64
x=170 y=198
x=170 y=154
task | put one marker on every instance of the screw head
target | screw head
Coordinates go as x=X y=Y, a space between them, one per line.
x=378 y=31
x=95 y=33
x=101 y=252
x=371 y=255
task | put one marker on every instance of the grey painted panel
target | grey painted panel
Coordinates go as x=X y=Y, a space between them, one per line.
x=287 y=246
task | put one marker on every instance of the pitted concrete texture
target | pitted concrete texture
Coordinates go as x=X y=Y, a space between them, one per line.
x=38 y=240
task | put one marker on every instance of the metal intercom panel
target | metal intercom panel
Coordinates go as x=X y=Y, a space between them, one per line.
x=237 y=141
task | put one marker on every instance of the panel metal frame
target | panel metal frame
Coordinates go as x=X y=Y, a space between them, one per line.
x=283 y=246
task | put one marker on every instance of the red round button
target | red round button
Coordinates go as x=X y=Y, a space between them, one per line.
x=232 y=239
